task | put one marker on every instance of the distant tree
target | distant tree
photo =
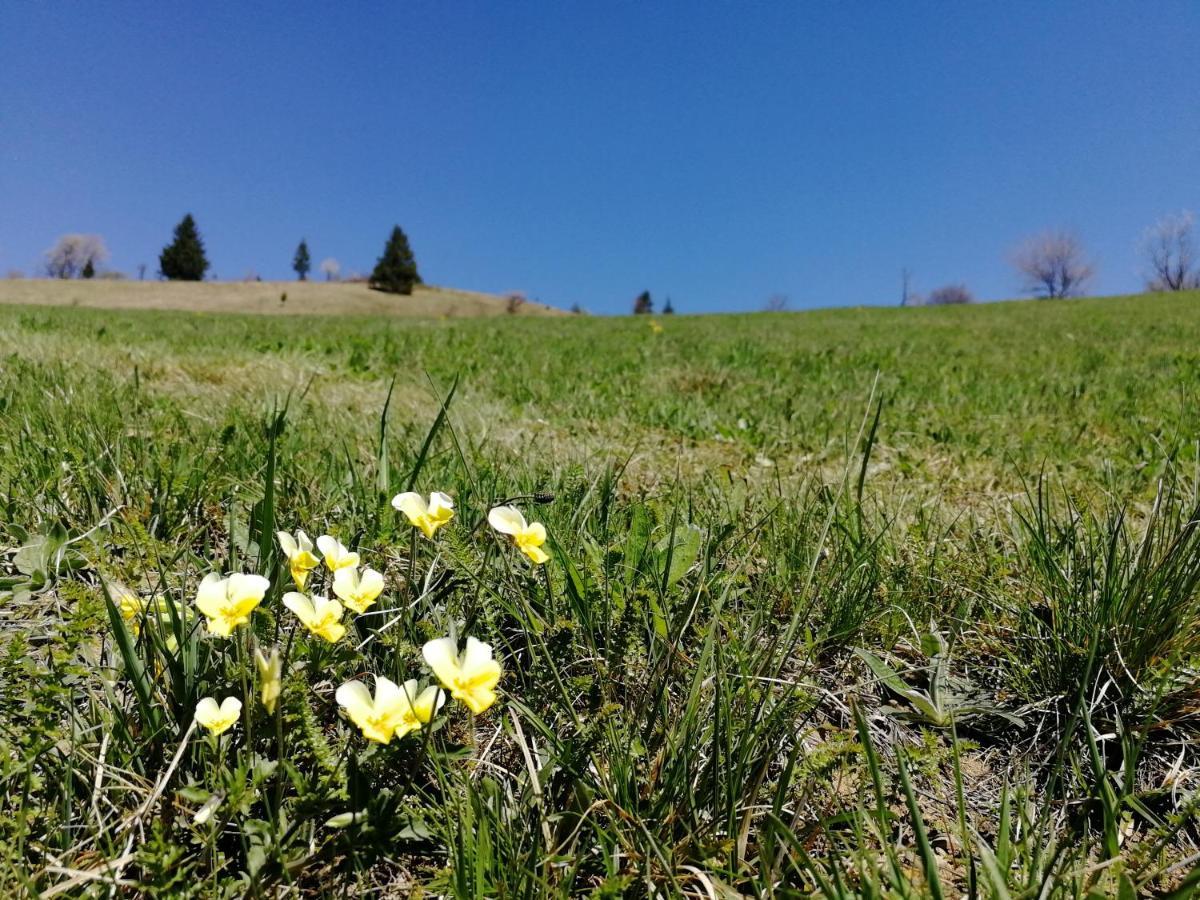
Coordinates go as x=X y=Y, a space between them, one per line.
x=1171 y=255
x=514 y=301
x=89 y=269
x=643 y=305
x=396 y=270
x=949 y=294
x=141 y=271
x=73 y=252
x=14 y=275
x=668 y=309
x=300 y=262
x=183 y=259
x=576 y=309
x=1053 y=265
x=777 y=303
x=330 y=267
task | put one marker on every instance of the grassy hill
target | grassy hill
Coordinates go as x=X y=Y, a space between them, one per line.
x=877 y=602
x=261 y=297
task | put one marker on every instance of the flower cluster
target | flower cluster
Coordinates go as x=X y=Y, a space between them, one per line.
x=469 y=676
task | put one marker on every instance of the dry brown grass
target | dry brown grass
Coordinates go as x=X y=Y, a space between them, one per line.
x=263 y=298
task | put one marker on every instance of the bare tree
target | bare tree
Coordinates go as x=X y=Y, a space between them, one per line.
x=949 y=294
x=1171 y=254
x=73 y=253
x=14 y=274
x=141 y=271
x=777 y=303
x=1053 y=265
x=330 y=267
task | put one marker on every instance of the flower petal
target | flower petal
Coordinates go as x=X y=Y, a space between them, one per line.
x=301 y=606
x=441 y=655
x=411 y=504
x=506 y=520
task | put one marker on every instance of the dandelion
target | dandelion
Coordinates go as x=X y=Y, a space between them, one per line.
x=320 y=615
x=270 y=677
x=229 y=602
x=298 y=550
x=336 y=555
x=218 y=718
x=471 y=677
x=394 y=711
x=357 y=591
x=429 y=517
x=528 y=537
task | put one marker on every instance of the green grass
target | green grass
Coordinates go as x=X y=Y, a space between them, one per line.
x=845 y=603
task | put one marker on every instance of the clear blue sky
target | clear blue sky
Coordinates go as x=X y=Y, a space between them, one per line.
x=581 y=152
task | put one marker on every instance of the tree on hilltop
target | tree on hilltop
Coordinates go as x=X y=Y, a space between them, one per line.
x=183 y=259
x=331 y=268
x=72 y=254
x=301 y=262
x=1053 y=265
x=643 y=305
x=396 y=270
x=1174 y=260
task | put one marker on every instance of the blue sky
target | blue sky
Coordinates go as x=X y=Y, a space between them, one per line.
x=718 y=153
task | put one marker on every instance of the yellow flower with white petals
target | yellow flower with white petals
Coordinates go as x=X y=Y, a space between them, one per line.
x=218 y=718
x=429 y=517
x=320 y=615
x=357 y=591
x=270 y=677
x=229 y=602
x=528 y=536
x=133 y=609
x=336 y=555
x=394 y=711
x=470 y=678
x=298 y=551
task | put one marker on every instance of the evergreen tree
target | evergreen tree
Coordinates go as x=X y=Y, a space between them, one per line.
x=396 y=270
x=89 y=271
x=300 y=263
x=668 y=309
x=643 y=305
x=183 y=259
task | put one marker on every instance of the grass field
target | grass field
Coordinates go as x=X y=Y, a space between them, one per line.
x=891 y=603
x=261 y=297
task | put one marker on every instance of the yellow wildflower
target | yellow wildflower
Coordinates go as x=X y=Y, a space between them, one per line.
x=320 y=615
x=335 y=553
x=357 y=591
x=471 y=677
x=298 y=550
x=655 y=327
x=394 y=711
x=429 y=517
x=132 y=607
x=218 y=718
x=229 y=602
x=270 y=677
x=528 y=537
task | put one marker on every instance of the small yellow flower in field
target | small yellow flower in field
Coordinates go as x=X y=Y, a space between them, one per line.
x=429 y=517
x=229 y=602
x=298 y=550
x=335 y=553
x=357 y=591
x=471 y=677
x=394 y=711
x=320 y=615
x=421 y=705
x=655 y=327
x=528 y=537
x=270 y=677
x=218 y=718
x=132 y=607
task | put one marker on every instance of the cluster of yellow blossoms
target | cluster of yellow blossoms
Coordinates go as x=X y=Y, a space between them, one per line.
x=394 y=710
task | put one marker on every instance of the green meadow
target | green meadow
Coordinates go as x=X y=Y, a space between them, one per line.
x=859 y=602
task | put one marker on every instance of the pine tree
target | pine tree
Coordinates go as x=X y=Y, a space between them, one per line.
x=396 y=270
x=183 y=259
x=89 y=270
x=668 y=309
x=300 y=263
x=643 y=305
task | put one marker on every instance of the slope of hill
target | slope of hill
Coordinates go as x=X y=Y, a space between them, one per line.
x=262 y=297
